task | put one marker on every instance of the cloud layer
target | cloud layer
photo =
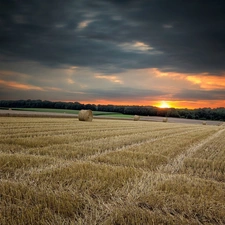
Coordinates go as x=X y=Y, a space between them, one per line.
x=115 y=51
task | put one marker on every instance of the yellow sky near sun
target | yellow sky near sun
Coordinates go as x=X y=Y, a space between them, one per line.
x=163 y=104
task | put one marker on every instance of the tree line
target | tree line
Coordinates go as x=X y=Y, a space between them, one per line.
x=201 y=113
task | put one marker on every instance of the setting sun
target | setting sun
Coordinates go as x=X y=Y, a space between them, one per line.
x=164 y=104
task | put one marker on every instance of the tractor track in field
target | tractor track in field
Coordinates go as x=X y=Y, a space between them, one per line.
x=89 y=158
x=176 y=163
x=118 y=149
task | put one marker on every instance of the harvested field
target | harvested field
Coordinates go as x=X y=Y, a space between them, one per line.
x=62 y=171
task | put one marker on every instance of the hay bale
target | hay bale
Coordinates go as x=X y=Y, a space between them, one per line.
x=203 y=123
x=85 y=115
x=165 y=120
x=136 y=118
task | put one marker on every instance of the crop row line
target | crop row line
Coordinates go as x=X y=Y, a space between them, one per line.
x=65 y=163
x=118 y=149
x=176 y=163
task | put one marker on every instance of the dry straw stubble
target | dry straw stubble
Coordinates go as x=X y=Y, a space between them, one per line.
x=105 y=175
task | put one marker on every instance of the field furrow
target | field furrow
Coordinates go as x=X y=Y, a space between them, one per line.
x=152 y=153
x=177 y=162
x=214 y=150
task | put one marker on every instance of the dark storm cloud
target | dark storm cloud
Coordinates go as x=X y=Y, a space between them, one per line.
x=187 y=94
x=183 y=36
x=189 y=33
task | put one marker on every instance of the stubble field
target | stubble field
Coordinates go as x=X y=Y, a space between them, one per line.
x=63 y=171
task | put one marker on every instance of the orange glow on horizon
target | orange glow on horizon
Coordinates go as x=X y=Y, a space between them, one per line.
x=172 y=104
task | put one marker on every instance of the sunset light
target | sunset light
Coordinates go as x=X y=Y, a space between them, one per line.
x=164 y=104
x=104 y=102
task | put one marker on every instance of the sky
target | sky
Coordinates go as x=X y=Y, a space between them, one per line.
x=123 y=52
